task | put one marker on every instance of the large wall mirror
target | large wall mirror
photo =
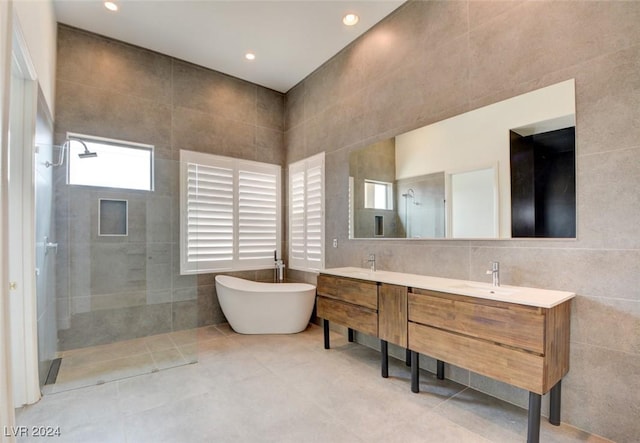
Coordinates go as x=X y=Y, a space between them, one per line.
x=506 y=170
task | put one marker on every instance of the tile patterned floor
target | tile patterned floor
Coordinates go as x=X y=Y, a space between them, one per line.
x=105 y=363
x=282 y=388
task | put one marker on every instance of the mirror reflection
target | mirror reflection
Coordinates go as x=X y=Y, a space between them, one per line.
x=506 y=170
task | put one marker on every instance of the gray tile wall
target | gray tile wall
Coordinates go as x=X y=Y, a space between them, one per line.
x=375 y=162
x=432 y=60
x=115 y=288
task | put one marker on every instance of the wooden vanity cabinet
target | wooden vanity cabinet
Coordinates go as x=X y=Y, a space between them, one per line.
x=524 y=346
x=348 y=302
x=376 y=309
x=357 y=292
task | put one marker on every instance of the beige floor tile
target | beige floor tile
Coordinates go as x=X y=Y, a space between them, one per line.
x=181 y=338
x=76 y=375
x=498 y=420
x=209 y=332
x=273 y=388
x=75 y=412
x=184 y=420
x=168 y=358
x=225 y=329
x=189 y=352
x=139 y=394
x=110 y=351
x=159 y=342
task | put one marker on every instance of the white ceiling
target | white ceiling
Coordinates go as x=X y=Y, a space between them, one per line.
x=290 y=38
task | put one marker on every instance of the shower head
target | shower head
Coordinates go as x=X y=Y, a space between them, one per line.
x=65 y=146
x=86 y=153
x=410 y=193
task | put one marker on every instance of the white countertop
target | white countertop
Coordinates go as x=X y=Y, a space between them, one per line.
x=542 y=298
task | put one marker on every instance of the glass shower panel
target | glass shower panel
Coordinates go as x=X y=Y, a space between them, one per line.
x=123 y=307
x=45 y=260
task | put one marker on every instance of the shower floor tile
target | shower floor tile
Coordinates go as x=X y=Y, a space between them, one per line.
x=105 y=363
x=269 y=388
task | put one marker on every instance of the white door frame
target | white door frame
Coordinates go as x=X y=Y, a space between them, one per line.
x=22 y=298
x=7 y=415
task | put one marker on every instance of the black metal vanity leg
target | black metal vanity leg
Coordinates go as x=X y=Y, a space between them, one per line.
x=440 y=369
x=407 y=357
x=384 y=351
x=350 y=335
x=415 y=371
x=533 y=429
x=325 y=325
x=554 y=404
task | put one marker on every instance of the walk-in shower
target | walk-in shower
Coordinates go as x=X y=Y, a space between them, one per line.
x=123 y=308
x=409 y=195
x=423 y=214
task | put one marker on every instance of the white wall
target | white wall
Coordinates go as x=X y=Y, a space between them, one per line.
x=38 y=23
x=473 y=204
x=480 y=138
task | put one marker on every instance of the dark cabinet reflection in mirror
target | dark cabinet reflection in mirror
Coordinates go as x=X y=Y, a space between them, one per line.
x=543 y=184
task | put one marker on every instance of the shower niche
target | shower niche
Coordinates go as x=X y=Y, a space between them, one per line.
x=113 y=216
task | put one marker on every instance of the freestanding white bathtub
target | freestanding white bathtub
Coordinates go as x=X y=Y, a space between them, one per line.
x=265 y=308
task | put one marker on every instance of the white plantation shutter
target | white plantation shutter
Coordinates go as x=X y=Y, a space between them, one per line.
x=315 y=216
x=209 y=215
x=258 y=210
x=297 y=192
x=306 y=213
x=230 y=213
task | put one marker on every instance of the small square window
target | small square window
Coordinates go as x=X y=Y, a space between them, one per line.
x=116 y=164
x=378 y=195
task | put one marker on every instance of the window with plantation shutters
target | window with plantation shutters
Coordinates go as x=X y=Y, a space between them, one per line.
x=258 y=213
x=306 y=214
x=230 y=213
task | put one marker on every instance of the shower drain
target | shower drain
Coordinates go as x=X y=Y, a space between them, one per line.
x=52 y=376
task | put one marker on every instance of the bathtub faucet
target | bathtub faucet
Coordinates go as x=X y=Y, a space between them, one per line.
x=279 y=268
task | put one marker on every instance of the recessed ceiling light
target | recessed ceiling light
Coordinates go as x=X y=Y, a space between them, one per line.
x=250 y=56
x=350 y=19
x=111 y=6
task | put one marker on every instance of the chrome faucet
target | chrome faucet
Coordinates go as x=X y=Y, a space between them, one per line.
x=372 y=262
x=495 y=273
x=279 y=268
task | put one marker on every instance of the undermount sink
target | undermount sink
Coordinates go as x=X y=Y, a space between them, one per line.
x=483 y=289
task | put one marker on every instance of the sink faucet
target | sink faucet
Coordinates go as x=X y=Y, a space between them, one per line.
x=372 y=262
x=495 y=273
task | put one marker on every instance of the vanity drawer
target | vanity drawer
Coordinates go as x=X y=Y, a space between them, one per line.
x=519 y=368
x=358 y=292
x=504 y=323
x=355 y=317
